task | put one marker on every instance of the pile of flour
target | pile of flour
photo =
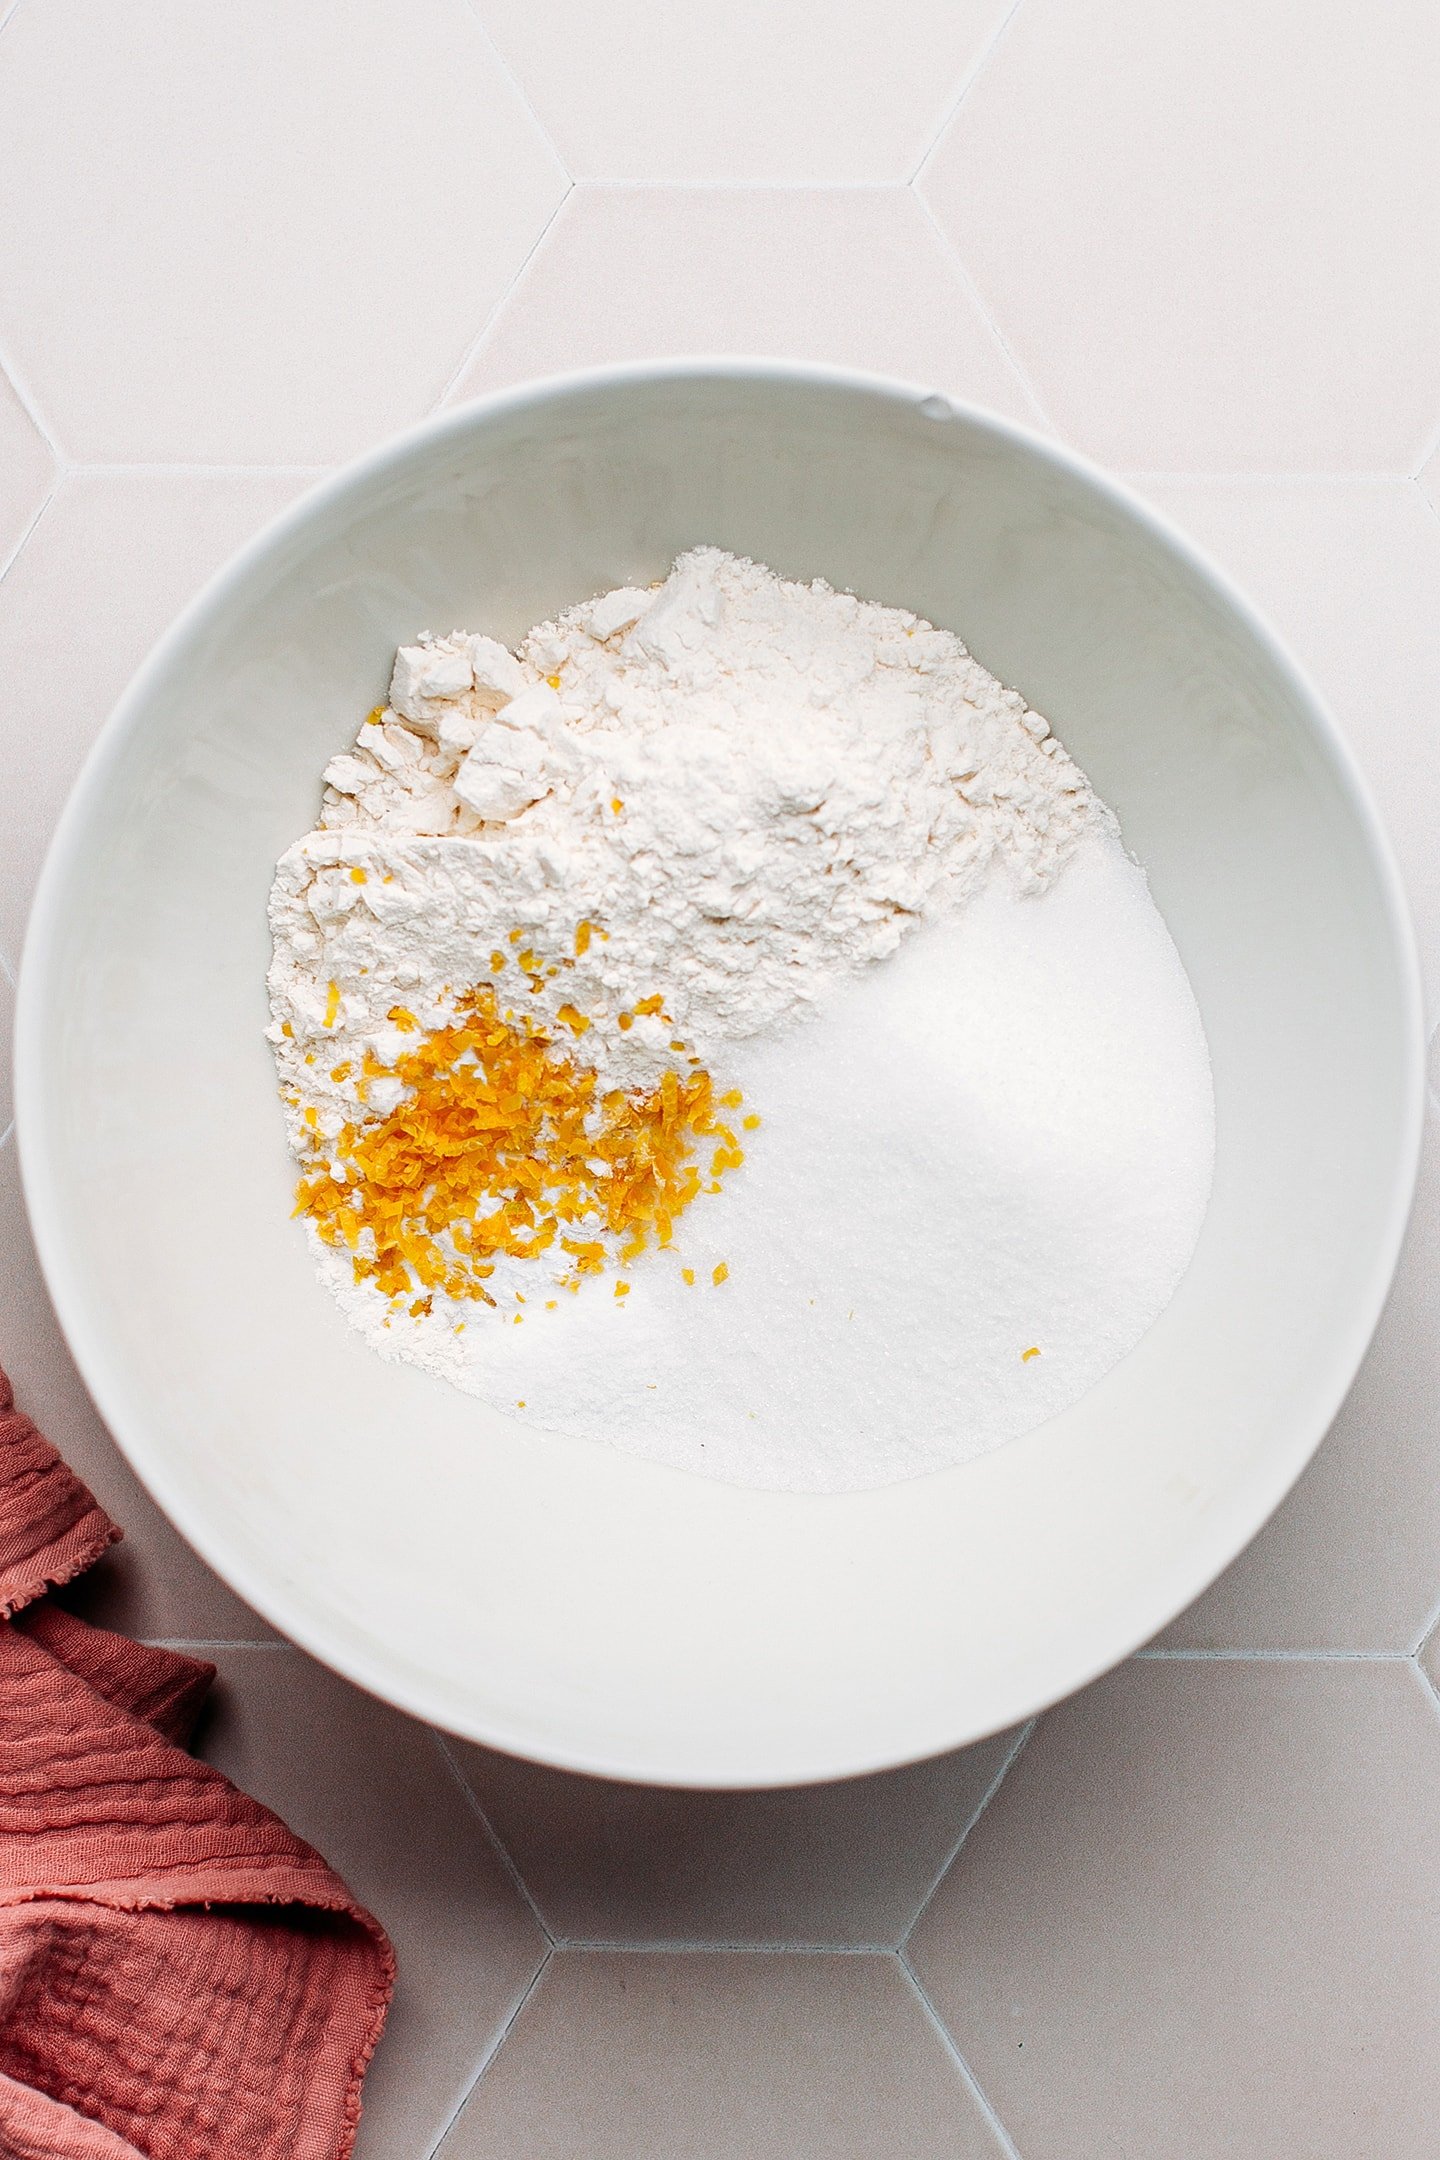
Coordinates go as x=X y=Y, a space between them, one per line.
x=735 y=795
x=752 y=788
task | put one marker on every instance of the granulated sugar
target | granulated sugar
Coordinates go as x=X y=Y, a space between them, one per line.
x=732 y=1030
x=1000 y=1141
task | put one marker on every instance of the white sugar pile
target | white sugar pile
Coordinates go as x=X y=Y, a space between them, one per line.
x=1002 y=1140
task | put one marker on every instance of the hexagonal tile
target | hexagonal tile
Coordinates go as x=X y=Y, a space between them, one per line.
x=1349 y=573
x=855 y=276
x=1351 y=1559
x=27 y=470
x=1202 y=1919
x=833 y=1864
x=371 y=1790
x=740 y=91
x=263 y=233
x=623 y=2057
x=111 y=561
x=1208 y=232
x=152 y=1585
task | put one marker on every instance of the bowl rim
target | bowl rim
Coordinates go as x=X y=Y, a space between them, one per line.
x=1125 y=1630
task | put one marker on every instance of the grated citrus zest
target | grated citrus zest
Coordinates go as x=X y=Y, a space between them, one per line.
x=503 y=1145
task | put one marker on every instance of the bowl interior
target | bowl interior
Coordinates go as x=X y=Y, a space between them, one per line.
x=560 y=1600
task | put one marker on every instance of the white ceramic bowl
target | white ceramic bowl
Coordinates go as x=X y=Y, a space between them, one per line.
x=563 y=1601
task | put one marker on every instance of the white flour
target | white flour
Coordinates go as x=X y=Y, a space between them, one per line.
x=752 y=791
x=801 y=776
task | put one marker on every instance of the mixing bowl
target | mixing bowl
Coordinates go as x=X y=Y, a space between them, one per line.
x=564 y=1601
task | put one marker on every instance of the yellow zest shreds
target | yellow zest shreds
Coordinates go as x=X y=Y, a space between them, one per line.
x=650 y=1005
x=332 y=1004
x=575 y=1021
x=1026 y=1355
x=357 y=876
x=583 y=932
x=750 y=1124
x=687 y=1275
x=497 y=960
x=400 y=1018
x=719 y=1273
x=503 y=1146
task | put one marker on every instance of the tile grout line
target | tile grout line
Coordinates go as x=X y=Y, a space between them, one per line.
x=1432 y=449
x=500 y=1849
x=1012 y=1756
x=521 y=93
x=189 y=1644
x=473 y=349
x=976 y=2090
x=1271 y=1657
x=1038 y=410
x=24 y=540
x=967 y=83
x=33 y=409
x=1427 y=1629
x=1431 y=1692
x=1425 y=496
x=601 y=1946
x=490 y=2053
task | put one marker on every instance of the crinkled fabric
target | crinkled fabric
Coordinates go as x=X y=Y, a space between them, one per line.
x=181 y=1978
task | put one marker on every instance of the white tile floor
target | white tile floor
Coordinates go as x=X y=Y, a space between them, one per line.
x=1196 y=1916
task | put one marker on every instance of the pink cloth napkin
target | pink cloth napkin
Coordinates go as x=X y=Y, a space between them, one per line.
x=180 y=1977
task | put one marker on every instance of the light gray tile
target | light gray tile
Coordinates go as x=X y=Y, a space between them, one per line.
x=259 y=233
x=1209 y=232
x=1201 y=1919
x=372 y=1792
x=152 y=1585
x=815 y=91
x=834 y=1864
x=695 y=2057
x=856 y=277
